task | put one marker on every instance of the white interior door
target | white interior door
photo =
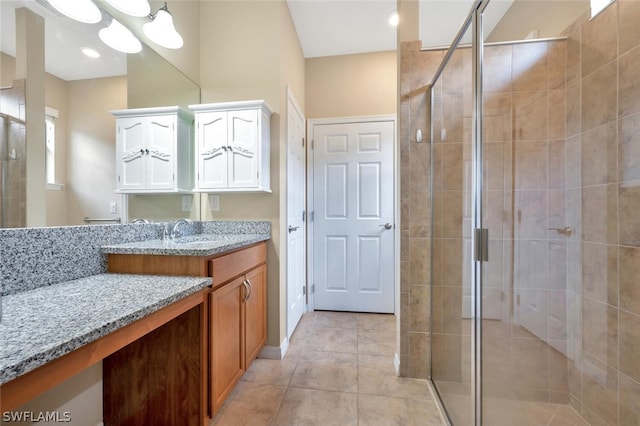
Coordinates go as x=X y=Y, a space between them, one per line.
x=353 y=236
x=296 y=241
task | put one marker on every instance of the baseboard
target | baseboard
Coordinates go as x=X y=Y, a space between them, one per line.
x=396 y=363
x=275 y=352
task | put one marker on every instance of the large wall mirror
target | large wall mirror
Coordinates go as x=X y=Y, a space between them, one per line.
x=79 y=94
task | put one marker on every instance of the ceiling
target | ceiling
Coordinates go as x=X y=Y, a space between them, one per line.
x=65 y=38
x=341 y=27
x=324 y=27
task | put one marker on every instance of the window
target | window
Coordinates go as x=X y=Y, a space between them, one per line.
x=598 y=6
x=50 y=142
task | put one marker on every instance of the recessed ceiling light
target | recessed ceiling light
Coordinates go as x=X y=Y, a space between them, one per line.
x=92 y=53
x=80 y=10
x=137 y=8
x=394 y=19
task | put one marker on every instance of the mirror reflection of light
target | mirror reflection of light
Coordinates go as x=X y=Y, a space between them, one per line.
x=394 y=19
x=91 y=53
x=80 y=10
x=118 y=37
x=598 y=6
x=137 y=8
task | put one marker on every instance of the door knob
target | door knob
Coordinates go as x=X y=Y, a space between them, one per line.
x=387 y=226
x=293 y=228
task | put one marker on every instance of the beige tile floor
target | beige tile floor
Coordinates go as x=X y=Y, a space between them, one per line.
x=338 y=371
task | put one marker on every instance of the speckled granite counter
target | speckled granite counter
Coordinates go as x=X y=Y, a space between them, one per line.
x=192 y=245
x=45 y=323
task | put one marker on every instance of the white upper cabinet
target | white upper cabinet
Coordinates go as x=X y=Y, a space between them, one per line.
x=154 y=150
x=232 y=146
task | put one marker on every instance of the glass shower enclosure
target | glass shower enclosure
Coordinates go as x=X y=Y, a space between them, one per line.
x=535 y=238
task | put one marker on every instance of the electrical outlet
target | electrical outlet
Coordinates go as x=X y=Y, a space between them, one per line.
x=186 y=203
x=113 y=208
x=214 y=203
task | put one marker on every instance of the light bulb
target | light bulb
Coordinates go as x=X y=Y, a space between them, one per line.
x=161 y=30
x=118 y=37
x=137 y=8
x=80 y=10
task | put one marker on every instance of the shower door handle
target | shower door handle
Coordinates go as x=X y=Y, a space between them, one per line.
x=567 y=230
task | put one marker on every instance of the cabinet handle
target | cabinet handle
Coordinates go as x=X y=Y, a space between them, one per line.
x=146 y=151
x=224 y=147
x=250 y=288
x=230 y=148
x=246 y=291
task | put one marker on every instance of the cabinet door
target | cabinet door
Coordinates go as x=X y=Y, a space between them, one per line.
x=212 y=150
x=226 y=345
x=161 y=145
x=130 y=147
x=255 y=314
x=243 y=155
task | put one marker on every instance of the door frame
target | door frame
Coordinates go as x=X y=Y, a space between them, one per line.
x=310 y=197
x=293 y=103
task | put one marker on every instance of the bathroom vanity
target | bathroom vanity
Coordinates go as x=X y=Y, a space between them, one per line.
x=174 y=322
x=237 y=305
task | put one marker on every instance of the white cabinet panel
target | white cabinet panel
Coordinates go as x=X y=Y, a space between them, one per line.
x=154 y=150
x=232 y=148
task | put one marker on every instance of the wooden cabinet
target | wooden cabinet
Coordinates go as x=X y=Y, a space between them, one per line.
x=237 y=310
x=226 y=344
x=255 y=314
x=154 y=150
x=232 y=146
x=238 y=319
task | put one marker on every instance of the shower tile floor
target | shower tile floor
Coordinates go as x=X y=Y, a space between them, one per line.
x=338 y=370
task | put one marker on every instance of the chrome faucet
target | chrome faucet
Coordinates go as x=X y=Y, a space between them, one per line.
x=140 y=220
x=175 y=225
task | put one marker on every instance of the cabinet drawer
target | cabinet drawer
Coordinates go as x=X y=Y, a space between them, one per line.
x=226 y=267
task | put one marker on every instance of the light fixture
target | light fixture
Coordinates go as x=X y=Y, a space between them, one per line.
x=394 y=19
x=137 y=8
x=118 y=37
x=80 y=10
x=161 y=30
x=91 y=53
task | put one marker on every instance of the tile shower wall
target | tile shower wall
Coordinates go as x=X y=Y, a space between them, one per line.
x=417 y=70
x=574 y=153
x=602 y=182
x=13 y=168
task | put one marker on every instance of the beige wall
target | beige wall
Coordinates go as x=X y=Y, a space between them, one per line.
x=91 y=146
x=56 y=97
x=549 y=19
x=351 y=85
x=249 y=50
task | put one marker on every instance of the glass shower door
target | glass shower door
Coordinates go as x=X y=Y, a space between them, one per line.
x=525 y=374
x=451 y=237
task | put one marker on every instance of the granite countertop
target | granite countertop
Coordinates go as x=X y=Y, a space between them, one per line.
x=191 y=245
x=43 y=324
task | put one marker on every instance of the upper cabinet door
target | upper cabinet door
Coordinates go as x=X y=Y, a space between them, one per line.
x=161 y=146
x=212 y=148
x=130 y=161
x=243 y=151
x=154 y=150
x=233 y=146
